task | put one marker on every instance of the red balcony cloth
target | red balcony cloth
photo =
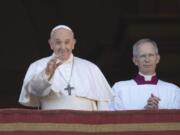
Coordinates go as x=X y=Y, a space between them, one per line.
x=69 y=122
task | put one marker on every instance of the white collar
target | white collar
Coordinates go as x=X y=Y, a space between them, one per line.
x=69 y=60
x=147 y=77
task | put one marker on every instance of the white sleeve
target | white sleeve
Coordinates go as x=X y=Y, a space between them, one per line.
x=177 y=99
x=39 y=85
x=103 y=106
x=35 y=84
x=116 y=103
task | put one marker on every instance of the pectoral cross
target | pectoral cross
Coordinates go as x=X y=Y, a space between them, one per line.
x=69 y=88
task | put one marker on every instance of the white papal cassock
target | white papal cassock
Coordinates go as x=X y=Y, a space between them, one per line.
x=131 y=96
x=91 y=89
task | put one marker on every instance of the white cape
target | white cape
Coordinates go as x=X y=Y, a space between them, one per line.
x=88 y=80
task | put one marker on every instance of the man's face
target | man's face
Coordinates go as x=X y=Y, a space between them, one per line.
x=146 y=59
x=62 y=42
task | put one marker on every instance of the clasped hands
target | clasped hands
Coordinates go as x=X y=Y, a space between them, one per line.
x=152 y=102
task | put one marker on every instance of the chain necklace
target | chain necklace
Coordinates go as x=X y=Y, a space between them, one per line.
x=69 y=88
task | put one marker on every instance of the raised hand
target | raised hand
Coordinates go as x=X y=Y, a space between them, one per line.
x=51 y=66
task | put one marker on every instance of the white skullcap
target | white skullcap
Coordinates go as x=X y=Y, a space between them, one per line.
x=60 y=26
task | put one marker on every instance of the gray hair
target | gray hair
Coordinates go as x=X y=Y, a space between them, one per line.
x=142 y=41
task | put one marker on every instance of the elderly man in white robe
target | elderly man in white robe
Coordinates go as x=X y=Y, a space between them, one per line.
x=63 y=81
x=145 y=90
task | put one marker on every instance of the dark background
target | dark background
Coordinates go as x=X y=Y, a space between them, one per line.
x=105 y=31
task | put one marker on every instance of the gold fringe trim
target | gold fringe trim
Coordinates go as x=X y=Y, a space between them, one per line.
x=91 y=128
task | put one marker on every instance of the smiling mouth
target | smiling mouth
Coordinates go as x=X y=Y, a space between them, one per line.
x=147 y=66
